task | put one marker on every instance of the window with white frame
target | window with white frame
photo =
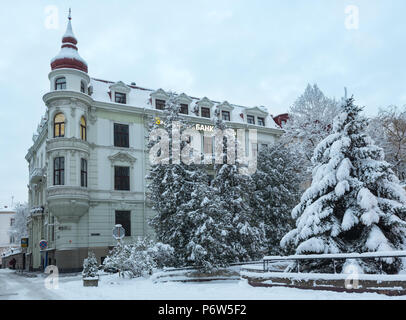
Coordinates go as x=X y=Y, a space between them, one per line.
x=261 y=121
x=120 y=97
x=250 y=119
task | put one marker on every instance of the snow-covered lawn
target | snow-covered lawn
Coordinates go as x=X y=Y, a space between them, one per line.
x=111 y=287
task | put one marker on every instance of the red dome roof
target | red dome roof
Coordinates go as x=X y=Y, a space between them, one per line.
x=69 y=57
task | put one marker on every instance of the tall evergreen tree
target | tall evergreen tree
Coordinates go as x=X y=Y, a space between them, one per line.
x=245 y=234
x=171 y=185
x=208 y=248
x=355 y=202
x=277 y=184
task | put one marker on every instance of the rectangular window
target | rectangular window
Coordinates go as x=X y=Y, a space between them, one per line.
x=12 y=221
x=251 y=119
x=225 y=115
x=205 y=112
x=207 y=145
x=184 y=109
x=254 y=149
x=52 y=226
x=261 y=121
x=160 y=104
x=12 y=239
x=121 y=136
x=120 y=97
x=124 y=218
x=59 y=171
x=83 y=173
x=122 y=178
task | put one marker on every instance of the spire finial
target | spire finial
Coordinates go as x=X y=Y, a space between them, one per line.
x=70 y=14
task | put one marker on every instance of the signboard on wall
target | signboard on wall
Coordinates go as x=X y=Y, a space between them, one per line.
x=24 y=242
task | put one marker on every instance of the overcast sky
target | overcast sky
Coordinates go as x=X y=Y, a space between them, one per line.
x=247 y=52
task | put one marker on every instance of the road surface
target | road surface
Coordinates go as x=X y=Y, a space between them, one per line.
x=19 y=287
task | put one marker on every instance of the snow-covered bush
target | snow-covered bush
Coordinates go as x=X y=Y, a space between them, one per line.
x=163 y=255
x=138 y=258
x=90 y=266
x=114 y=261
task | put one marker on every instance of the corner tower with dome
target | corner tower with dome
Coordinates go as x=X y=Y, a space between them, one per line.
x=88 y=160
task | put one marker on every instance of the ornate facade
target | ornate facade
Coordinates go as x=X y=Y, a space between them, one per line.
x=88 y=161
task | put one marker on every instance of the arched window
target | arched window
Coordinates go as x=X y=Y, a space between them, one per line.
x=83 y=128
x=60 y=83
x=82 y=87
x=59 y=125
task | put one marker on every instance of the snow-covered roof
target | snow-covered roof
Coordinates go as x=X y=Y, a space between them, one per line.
x=69 y=57
x=141 y=97
x=69 y=31
x=68 y=53
x=10 y=252
x=6 y=210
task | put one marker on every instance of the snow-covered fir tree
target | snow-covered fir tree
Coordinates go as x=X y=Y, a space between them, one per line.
x=170 y=186
x=245 y=234
x=208 y=248
x=19 y=229
x=355 y=202
x=90 y=266
x=277 y=184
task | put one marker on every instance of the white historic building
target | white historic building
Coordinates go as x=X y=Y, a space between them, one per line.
x=88 y=161
x=7 y=220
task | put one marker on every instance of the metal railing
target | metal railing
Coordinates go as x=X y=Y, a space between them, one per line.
x=333 y=257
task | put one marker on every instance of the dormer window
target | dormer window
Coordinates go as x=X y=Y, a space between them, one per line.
x=160 y=104
x=184 y=108
x=120 y=97
x=225 y=115
x=261 y=121
x=250 y=119
x=60 y=83
x=205 y=112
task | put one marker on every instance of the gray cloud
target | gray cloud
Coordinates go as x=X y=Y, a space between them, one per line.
x=250 y=53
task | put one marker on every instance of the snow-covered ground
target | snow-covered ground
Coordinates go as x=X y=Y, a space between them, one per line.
x=111 y=287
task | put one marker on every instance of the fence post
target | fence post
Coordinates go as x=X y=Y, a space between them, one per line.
x=298 y=266
x=334 y=264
